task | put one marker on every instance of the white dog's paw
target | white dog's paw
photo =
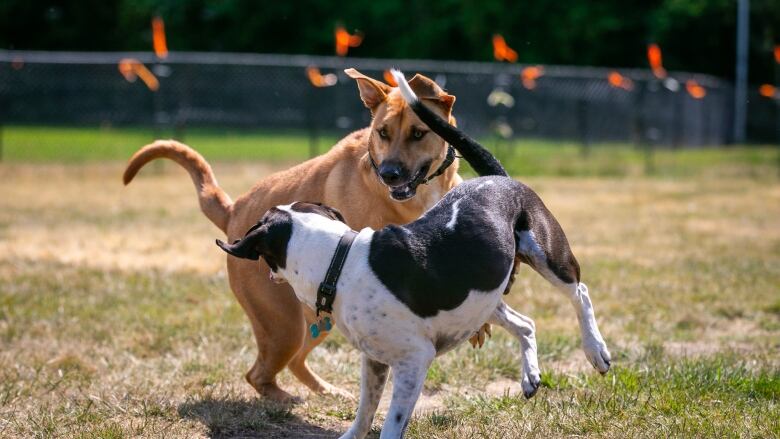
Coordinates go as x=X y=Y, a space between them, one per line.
x=597 y=353
x=531 y=382
x=351 y=434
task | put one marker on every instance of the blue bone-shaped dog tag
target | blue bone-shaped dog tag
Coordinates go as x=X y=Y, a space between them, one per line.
x=322 y=324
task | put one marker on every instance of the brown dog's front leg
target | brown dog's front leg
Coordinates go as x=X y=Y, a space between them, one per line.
x=512 y=275
x=478 y=339
x=301 y=370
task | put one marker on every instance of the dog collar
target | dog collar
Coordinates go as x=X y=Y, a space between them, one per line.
x=326 y=293
x=444 y=165
x=448 y=160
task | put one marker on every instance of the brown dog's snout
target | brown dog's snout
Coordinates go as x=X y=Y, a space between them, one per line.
x=393 y=172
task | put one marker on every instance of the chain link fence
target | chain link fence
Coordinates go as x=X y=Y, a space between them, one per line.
x=270 y=91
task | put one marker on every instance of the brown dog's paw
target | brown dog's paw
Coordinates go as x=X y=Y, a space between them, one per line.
x=478 y=339
x=274 y=393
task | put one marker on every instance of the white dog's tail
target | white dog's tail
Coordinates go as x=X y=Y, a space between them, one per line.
x=483 y=162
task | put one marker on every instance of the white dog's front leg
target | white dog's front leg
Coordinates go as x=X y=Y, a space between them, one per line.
x=372 y=382
x=408 y=379
x=524 y=330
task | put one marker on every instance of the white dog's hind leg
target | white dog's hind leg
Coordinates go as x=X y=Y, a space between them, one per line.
x=592 y=342
x=408 y=378
x=372 y=383
x=552 y=258
x=524 y=330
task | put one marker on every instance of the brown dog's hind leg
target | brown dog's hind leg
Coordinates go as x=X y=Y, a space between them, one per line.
x=258 y=377
x=272 y=357
x=301 y=370
x=277 y=323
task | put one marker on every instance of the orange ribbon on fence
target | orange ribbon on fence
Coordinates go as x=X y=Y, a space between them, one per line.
x=317 y=79
x=131 y=69
x=695 y=90
x=501 y=51
x=389 y=78
x=345 y=40
x=767 y=90
x=655 y=60
x=158 y=38
x=529 y=75
x=617 y=80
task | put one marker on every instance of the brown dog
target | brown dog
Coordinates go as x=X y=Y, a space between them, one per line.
x=371 y=176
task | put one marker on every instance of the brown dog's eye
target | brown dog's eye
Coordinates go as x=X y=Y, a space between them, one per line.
x=383 y=133
x=417 y=134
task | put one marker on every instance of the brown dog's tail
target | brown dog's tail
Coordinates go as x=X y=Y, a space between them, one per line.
x=214 y=202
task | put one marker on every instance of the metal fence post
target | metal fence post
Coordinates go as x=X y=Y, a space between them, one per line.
x=740 y=86
x=678 y=120
x=776 y=108
x=2 y=121
x=179 y=131
x=582 y=117
x=640 y=128
x=311 y=122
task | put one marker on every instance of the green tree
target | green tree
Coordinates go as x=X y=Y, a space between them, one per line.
x=695 y=35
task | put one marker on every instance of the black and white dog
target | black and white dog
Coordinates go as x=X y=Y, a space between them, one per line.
x=407 y=294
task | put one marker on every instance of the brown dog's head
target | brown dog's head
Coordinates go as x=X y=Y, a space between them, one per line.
x=400 y=146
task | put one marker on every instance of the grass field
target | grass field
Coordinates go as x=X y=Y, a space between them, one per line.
x=31 y=144
x=116 y=319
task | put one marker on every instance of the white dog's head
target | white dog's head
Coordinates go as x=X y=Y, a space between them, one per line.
x=271 y=236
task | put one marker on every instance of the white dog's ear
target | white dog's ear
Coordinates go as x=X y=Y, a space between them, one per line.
x=267 y=239
x=427 y=90
x=372 y=92
x=320 y=209
x=247 y=248
x=336 y=214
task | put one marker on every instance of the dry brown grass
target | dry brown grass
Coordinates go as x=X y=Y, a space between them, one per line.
x=116 y=319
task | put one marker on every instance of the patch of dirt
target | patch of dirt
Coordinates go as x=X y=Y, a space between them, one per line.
x=504 y=386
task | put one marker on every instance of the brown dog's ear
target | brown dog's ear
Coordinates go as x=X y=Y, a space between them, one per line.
x=425 y=87
x=372 y=92
x=429 y=91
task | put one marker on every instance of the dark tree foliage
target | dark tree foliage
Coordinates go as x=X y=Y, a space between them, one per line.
x=695 y=35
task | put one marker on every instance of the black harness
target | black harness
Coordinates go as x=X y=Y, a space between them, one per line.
x=326 y=293
x=443 y=167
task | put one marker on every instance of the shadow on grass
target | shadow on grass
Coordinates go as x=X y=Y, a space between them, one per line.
x=232 y=418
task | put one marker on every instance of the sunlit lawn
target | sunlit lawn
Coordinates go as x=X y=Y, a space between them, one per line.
x=116 y=319
x=524 y=157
